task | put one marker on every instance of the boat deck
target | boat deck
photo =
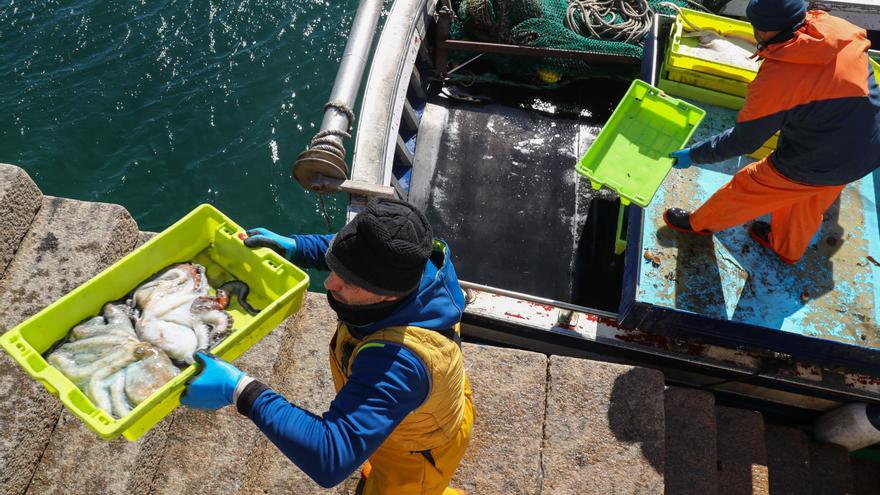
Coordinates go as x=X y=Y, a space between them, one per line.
x=497 y=182
x=831 y=294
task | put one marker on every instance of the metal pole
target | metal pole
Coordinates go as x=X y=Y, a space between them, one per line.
x=539 y=300
x=326 y=154
x=351 y=68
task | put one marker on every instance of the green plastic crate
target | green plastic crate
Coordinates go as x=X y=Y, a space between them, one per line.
x=631 y=153
x=204 y=236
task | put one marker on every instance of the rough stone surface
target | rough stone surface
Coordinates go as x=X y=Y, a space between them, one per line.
x=830 y=469
x=68 y=242
x=691 y=448
x=866 y=476
x=143 y=237
x=604 y=431
x=20 y=199
x=239 y=460
x=509 y=388
x=302 y=375
x=742 y=457
x=788 y=460
x=81 y=462
x=211 y=451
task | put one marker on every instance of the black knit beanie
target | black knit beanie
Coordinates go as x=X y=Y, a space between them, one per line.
x=383 y=249
x=776 y=15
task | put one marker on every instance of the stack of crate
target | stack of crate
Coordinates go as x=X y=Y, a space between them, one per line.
x=685 y=75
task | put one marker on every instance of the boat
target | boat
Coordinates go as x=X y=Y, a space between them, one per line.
x=550 y=264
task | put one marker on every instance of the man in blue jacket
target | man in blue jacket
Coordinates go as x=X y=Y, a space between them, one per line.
x=403 y=400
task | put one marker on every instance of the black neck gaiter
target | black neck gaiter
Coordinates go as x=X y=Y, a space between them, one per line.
x=361 y=315
x=782 y=36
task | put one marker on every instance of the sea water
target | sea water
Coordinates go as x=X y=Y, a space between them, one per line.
x=162 y=105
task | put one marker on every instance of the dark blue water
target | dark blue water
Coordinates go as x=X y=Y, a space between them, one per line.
x=162 y=105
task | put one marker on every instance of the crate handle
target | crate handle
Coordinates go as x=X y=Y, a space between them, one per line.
x=22 y=349
x=275 y=267
x=226 y=230
x=19 y=349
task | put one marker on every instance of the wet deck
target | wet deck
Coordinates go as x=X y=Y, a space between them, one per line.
x=831 y=294
x=498 y=183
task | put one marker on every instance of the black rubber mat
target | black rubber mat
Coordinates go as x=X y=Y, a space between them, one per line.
x=504 y=195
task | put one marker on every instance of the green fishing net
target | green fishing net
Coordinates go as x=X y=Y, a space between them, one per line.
x=542 y=23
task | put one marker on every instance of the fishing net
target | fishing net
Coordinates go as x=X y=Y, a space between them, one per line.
x=615 y=27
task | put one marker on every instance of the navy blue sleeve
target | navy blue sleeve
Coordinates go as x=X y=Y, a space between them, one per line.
x=743 y=138
x=310 y=250
x=386 y=384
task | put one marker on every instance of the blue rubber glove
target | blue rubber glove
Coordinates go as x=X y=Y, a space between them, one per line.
x=682 y=158
x=214 y=385
x=260 y=237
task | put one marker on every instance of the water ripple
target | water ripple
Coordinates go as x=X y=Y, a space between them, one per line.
x=162 y=105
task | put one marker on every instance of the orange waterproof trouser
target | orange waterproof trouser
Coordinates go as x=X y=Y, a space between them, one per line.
x=795 y=209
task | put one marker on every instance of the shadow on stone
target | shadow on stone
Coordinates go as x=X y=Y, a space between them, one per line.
x=632 y=419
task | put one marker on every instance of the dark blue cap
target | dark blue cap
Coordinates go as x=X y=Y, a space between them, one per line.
x=776 y=15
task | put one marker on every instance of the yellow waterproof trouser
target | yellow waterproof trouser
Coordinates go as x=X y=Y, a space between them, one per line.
x=403 y=473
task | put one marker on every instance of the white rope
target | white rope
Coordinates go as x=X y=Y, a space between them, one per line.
x=596 y=19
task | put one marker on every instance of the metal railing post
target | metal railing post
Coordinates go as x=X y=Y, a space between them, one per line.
x=326 y=153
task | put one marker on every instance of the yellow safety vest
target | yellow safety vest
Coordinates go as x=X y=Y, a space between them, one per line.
x=439 y=418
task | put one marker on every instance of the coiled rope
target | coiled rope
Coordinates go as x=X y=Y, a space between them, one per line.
x=323 y=141
x=627 y=21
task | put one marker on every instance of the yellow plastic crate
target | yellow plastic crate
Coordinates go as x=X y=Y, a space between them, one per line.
x=676 y=58
x=708 y=81
x=204 y=236
x=697 y=93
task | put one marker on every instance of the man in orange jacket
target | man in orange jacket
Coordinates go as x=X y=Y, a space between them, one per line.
x=817 y=87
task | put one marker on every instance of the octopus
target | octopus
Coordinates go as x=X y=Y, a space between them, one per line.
x=105 y=359
x=122 y=356
x=176 y=313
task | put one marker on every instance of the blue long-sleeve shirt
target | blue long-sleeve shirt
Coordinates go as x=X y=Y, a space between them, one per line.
x=386 y=383
x=310 y=250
